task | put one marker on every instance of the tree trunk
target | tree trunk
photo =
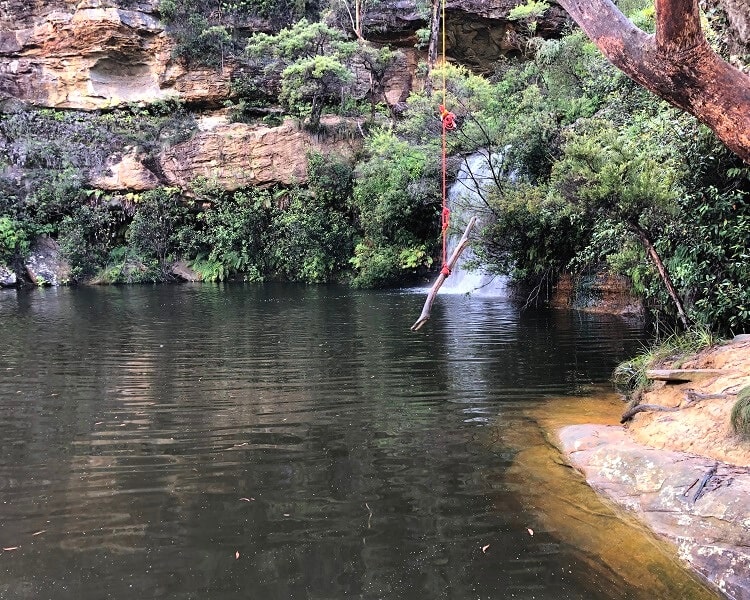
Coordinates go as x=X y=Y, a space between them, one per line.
x=666 y=279
x=358 y=28
x=676 y=64
x=433 y=44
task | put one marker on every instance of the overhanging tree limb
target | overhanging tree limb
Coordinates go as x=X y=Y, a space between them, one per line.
x=676 y=64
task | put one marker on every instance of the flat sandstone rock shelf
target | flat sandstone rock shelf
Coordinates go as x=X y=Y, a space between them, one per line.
x=683 y=472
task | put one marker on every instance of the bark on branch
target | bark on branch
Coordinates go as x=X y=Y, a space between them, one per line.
x=629 y=414
x=676 y=64
x=463 y=242
x=663 y=273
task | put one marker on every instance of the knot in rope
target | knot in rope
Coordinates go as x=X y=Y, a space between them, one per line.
x=446 y=218
x=448 y=118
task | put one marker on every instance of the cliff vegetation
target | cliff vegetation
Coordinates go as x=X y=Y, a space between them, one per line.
x=301 y=140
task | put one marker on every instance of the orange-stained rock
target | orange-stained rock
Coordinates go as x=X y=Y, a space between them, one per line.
x=700 y=427
x=235 y=155
x=603 y=293
x=90 y=55
x=129 y=173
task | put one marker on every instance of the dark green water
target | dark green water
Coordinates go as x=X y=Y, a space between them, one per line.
x=280 y=442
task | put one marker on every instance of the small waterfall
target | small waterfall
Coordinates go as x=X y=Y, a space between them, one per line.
x=464 y=201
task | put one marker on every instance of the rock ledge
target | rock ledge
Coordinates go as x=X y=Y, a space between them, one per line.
x=711 y=532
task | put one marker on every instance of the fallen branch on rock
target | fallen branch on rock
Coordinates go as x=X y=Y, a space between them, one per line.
x=629 y=414
x=702 y=484
x=691 y=398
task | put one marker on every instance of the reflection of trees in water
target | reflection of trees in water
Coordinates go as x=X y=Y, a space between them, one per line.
x=348 y=432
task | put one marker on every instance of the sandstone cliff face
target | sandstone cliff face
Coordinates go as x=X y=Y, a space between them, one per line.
x=89 y=54
x=230 y=155
x=478 y=32
x=94 y=54
x=236 y=155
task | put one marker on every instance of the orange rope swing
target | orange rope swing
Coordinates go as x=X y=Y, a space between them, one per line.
x=448 y=120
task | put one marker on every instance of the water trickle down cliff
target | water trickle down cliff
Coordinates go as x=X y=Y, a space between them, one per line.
x=467 y=198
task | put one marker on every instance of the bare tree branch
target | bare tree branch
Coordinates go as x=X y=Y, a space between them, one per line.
x=676 y=64
x=463 y=242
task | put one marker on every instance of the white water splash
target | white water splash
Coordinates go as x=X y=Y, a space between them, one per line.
x=465 y=199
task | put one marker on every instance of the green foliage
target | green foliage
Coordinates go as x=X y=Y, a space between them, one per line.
x=210 y=270
x=14 y=241
x=162 y=229
x=57 y=151
x=302 y=40
x=584 y=161
x=375 y=267
x=531 y=235
x=396 y=201
x=87 y=236
x=471 y=98
x=311 y=83
x=529 y=13
x=311 y=241
x=53 y=199
x=629 y=376
x=531 y=10
x=396 y=189
x=234 y=230
x=199 y=43
x=415 y=258
x=310 y=60
x=713 y=251
x=208 y=32
x=740 y=417
x=278 y=12
x=617 y=174
x=331 y=179
x=125 y=266
x=380 y=63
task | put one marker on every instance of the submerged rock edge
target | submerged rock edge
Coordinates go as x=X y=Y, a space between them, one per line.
x=711 y=532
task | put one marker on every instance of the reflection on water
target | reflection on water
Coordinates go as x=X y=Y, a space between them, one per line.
x=222 y=442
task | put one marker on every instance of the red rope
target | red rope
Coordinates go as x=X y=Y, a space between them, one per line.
x=448 y=120
x=449 y=123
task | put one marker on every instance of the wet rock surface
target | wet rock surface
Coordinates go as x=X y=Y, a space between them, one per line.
x=709 y=525
x=684 y=473
x=45 y=265
x=7 y=277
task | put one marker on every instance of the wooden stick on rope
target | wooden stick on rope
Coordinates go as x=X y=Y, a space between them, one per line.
x=463 y=242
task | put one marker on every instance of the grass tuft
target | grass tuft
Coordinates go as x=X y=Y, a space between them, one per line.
x=740 y=417
x=629 y=377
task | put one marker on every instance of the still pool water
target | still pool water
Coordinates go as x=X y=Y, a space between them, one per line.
x=281 y=442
